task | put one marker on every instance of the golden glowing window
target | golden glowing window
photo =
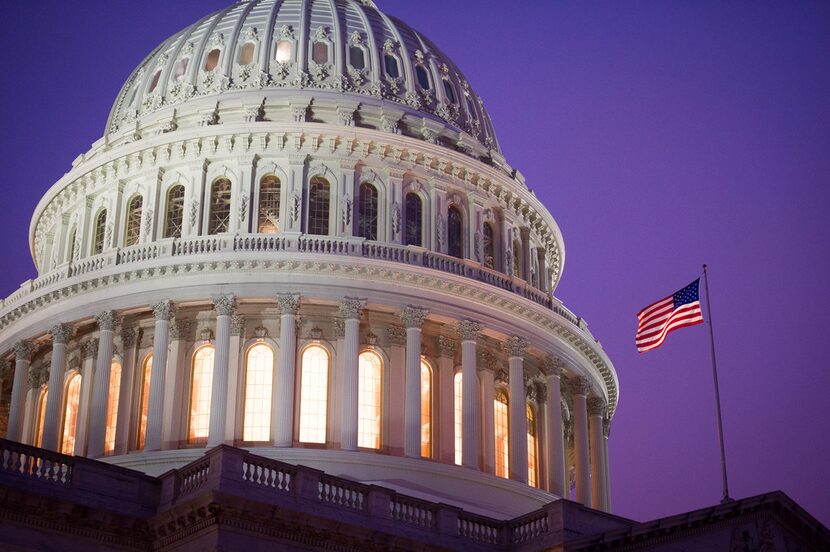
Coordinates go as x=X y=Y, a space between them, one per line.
x=459 y=415
x=314 y=388
x=41 y=415
x=212 y=59
x=426 y=410
x=532 y=461
x=283 y=51
x=144 y=399
x=259 y=373
x=175 y=212
x=70 y=414
x=370 y=367
x=132 y=232
x=200 y=386
x=269 y=205
x=502 y=423
x=112 y=406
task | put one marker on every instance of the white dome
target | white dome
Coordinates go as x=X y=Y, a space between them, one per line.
x=278 y=47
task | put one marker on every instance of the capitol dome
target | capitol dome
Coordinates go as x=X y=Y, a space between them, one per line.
x=298 y=236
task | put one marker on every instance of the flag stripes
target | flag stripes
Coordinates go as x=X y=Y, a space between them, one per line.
x=658 y=320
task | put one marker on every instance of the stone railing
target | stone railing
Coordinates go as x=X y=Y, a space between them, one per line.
x=36 y=463
x=303 y=243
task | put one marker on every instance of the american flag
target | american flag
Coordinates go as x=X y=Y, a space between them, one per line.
x=657 y=320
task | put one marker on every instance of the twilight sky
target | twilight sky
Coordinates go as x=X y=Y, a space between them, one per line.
x=661 y=135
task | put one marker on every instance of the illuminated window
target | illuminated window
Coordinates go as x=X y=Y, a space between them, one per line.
x=269 y=205
x=70 y=414
x=314 y=389
x=426 y=410
x=246 y=54
x=318 y=206
x=459 y=415
x=320 y=53
x=455 y=232
x=155 y=81
x=532 y=462
x=449 y=91
x=133 y=230
x=370 y=367
x=423 y=76
x=259 y=373
x=212 y=60
x=356 y=57
x=413 y=220
x=367 y=212
x=144 y=399
x=283 y=51
x=181 y=68
x=390 y=63
x=517 y=258
x=175 y=212
x=200 y=385
x=489 y=246
x=112 y=406
x=502 y=424
x=220 y=206
x=99 y=232
x=41 y=415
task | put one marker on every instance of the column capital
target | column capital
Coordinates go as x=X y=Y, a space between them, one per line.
x=107 y=320
x=39 y=376
x=516 y=346
x=446 y=346
x=5 y=368
x=536 y=391
x=552 y=366
x=288 y=303
x=237 y=324
x=468 y=330
x=61 y=333
x=596 y=406
x=396 y=334
x=224 y=304
x=23 y=350
x=351 y=307
x=180 y=328
x=413 y=317
x=580 y=386
x=488 y=361
x=339 y=326
x=129 y=336
x=164 y=310
x=89 y=348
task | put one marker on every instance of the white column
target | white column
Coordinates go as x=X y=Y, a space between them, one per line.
x=579 y=390
x=486 y=372
x=101 y=385
x=17 y=409
x=129 y=338
x=52 y=419
x=446 y=399
x=414 y=318
x=397 y=388
x=350 y=309
x=234 y=380
x=174 y=384
x=89 y=352
x=225 y=306
x=596 y=411
x=606 y=432
x=555 y=431
x=163 y=312
x=468 y=330
x=515 y=347
x=282 y=398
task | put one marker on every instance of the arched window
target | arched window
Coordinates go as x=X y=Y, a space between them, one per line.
x=200 y=387
x=112 y=406
x=314 y=390
x=259 y=374
x=70 y=245
x=174 y=219
x=246 y=54
x=470 y=107
x=356 y=57
x=449 y=91
x=370 y=368
x=212 y=60
x=455 y=232
x=144 y=399
x=458 y=411
x=422 y=76
x=283 y=54
x=269 y=205
x=390 y=63
x=99 y=232
x=41 y=415
x=320 y=53
x=517 y=258
x=318 y=206
x=155 y=81
x=532 y=449
x=489 y=246
x=70 y=414
x=367 y=212
x=413 y=220
x=426 y=410
x=220 y=206
x=181 y=68
x=132 y=231
x=502 y=423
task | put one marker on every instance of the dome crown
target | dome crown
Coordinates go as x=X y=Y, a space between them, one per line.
x=275 y=47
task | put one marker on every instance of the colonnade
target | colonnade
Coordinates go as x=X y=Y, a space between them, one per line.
x=587 y=414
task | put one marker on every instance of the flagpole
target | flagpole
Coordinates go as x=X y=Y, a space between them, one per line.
x=717 y=390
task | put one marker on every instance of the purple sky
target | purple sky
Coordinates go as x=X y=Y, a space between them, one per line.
x=661 y=135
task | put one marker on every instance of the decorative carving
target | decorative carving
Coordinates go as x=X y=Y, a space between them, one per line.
x=39 y=375
x=501 y=377
x=371 y=339
x=346 y=116
x=346 y=202
x=107 y=320
x=316 y=333
x=163 y=310
x=194 y=213
x=237 y=325
x=516 y=346
x=468 y=330
x=129 y=336
x=206 y=335
x=351 y=307
x=580 y=385
x=6 y=370
x=180 y=328
x=396 y=219
x=552 y=365
x=23 y=350
x=321 y=33
x=440 y=230
x=61 y=333
x=286 y=32
x=261 y=332
x=89 y=348
x=288 y=303
x=243 y=209
x=413 y=317
x=596 y=406
x=225 y=305
x=446 y=346
x=396 y=334
x=294 y=208
x=488 y=361
x=339 y=326
x=298 y=114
